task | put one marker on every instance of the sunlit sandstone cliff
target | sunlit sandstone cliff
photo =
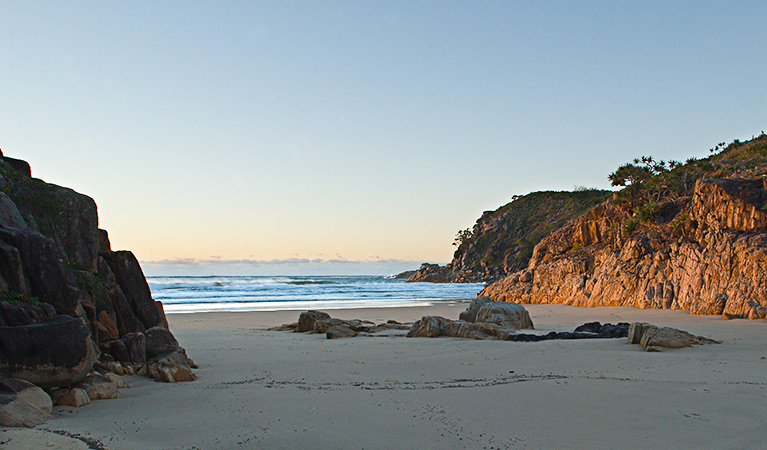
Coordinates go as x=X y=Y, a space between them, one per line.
x=705 y=252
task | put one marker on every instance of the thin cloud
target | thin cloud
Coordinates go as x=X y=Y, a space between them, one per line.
x=217 y=260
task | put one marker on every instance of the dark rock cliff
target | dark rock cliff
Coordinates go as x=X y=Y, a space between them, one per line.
x=58 y=272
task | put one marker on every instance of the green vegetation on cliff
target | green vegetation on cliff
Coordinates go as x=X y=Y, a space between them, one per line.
x=17 y=299
x=656 y=192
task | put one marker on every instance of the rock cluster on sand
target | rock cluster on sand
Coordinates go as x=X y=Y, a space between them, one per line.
x=653 y=338
x=483 y=319
x=70 y=307
x=486 y=319
x=321 y=323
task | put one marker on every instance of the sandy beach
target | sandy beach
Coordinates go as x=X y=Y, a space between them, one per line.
x=264 y=389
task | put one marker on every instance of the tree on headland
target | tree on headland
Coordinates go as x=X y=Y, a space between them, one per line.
x=463 y=236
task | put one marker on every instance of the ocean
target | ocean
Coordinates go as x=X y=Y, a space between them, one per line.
x=184 y=294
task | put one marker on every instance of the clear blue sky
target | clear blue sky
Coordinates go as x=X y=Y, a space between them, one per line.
x=272 y=132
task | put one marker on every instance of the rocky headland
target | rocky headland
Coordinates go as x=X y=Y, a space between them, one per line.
x=74 y=314
x=502 y=241
x=689 y=236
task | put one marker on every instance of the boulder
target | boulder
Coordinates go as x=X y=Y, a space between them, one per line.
x=307 y=318
x=56 y=352
x=653 y=338
x=171 y=367
x=428 y=326
x=505 y=315
x=477 y=330
x=470 y=315
x=159 y=341
x=135 y=343
x=130 y=350
x=22 y=404
x=436 y=326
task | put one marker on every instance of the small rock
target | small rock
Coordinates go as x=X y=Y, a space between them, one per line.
x=337 y=332
x=170 y=368
x=117 y=380
x=75 y=397
x=99 y=387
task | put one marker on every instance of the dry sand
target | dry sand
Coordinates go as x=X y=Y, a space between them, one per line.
x=260 y=389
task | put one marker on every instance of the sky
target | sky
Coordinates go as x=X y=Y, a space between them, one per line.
x=263 y=137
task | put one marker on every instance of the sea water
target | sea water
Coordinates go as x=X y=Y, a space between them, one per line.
x=182 y=294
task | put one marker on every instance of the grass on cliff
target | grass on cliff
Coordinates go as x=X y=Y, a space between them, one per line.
x=90 y=284
x=17 y=299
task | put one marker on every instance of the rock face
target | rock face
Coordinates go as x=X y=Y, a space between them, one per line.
x=710 y=260
x=63 y=290
x=502 y=241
